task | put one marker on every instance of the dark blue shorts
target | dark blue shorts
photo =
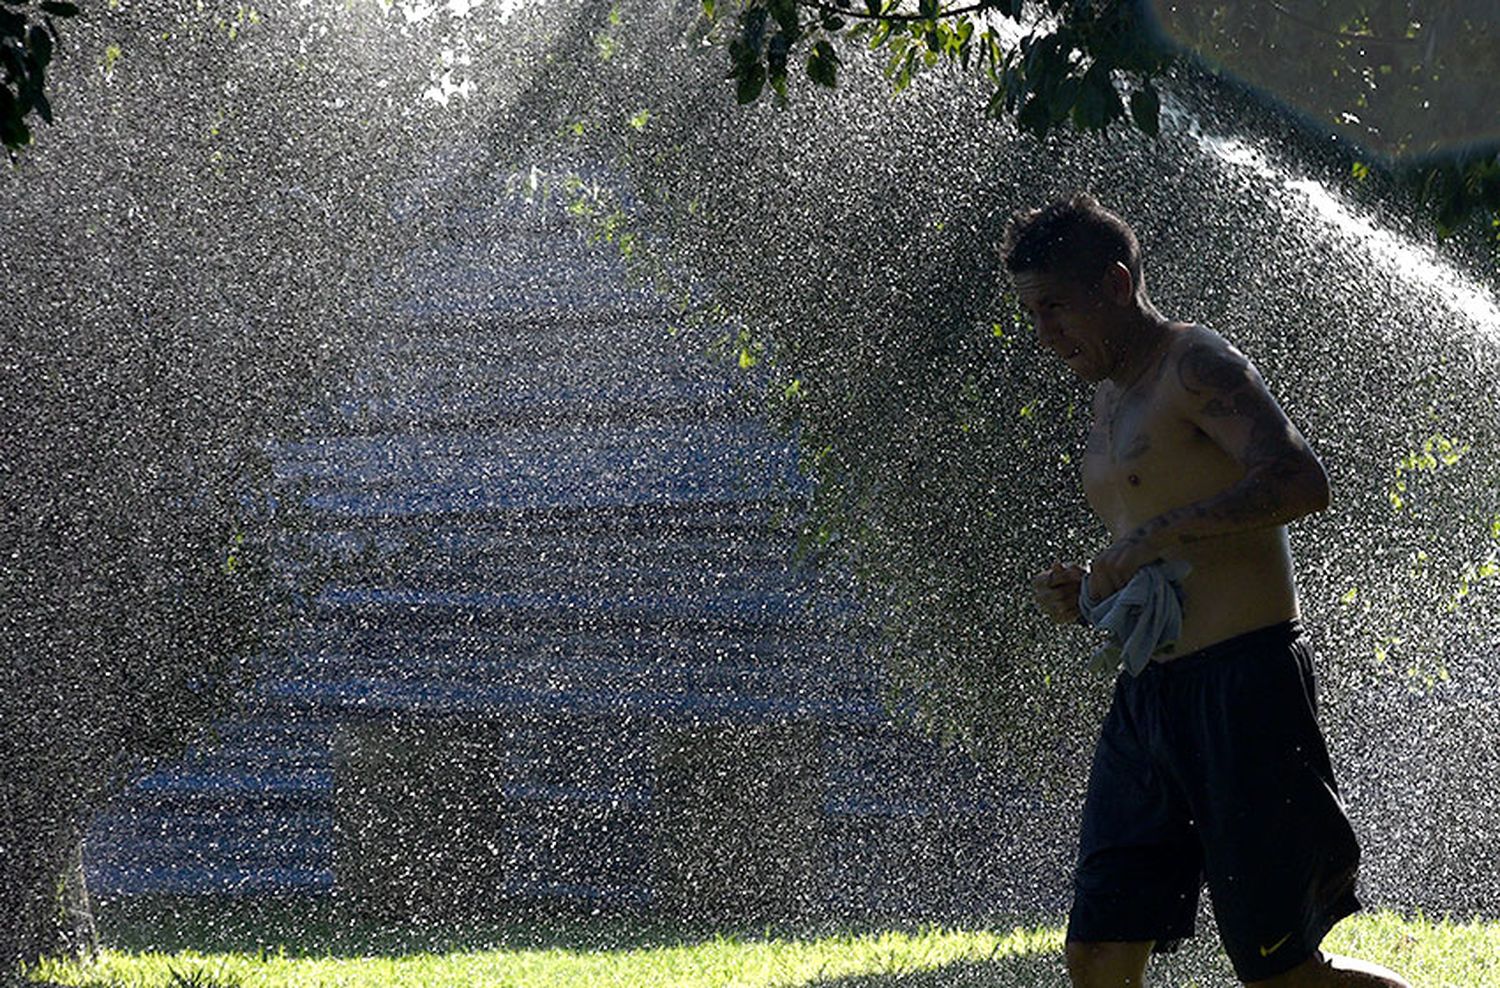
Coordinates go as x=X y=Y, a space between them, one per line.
x=1211 y=767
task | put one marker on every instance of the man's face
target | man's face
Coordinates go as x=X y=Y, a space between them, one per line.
x=1073 y=319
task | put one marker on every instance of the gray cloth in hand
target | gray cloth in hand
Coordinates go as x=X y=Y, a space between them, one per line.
x=1142 y=618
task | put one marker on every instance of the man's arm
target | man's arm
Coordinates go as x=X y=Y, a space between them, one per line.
x=1223 y=395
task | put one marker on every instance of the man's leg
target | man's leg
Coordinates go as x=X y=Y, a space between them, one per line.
x=1281 y=857
x=1108 y=964
x=1140 y=866
x=1324 y=970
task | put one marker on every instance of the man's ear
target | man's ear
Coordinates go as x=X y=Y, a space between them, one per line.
x=1117 y=284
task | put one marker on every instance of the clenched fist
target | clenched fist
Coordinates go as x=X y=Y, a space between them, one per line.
x=1056 y=591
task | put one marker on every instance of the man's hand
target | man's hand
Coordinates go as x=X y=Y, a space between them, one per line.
x=1056 y=591
x=1114 y=567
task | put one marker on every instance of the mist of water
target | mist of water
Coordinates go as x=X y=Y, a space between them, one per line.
x=853 y=234
x=375 y=278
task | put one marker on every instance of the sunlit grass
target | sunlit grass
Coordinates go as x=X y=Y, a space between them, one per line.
x=718 y=961
x=1433 y=954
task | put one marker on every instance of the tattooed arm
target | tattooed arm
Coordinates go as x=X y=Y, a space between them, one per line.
x=1224 y=398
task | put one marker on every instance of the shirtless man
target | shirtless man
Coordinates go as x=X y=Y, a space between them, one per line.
x=1210 y=765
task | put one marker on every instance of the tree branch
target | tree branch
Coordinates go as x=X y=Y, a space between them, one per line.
x=899 y=18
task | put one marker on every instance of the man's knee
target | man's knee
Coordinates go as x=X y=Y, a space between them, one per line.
x=1109 y=964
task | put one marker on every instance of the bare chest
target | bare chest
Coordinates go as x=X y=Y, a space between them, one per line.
x=1144 y=458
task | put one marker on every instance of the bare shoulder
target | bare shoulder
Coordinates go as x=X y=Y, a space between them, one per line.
x=1210 y=375
x=1220 y=392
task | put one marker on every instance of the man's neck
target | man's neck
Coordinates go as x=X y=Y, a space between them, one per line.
x=1139 y=344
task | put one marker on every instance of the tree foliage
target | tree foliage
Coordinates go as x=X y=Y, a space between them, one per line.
x=1409 y=86
x=28 y=37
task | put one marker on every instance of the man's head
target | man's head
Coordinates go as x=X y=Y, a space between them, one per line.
x=1077 y=269
x=1075 y=238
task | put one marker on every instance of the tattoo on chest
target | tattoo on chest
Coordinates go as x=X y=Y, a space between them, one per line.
x=1126 y=434
x=1139 y=446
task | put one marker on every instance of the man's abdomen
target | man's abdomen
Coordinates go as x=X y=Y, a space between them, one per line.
x=1238 y=583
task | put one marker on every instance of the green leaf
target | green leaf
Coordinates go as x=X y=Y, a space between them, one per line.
x=905 y=68
x=752 y=81
x=1063 y=98
x=1145 y=110
x=741 y=57
x=753 y=28
x=13 y=130
x=785 y=14
x=1098 y=103
x=776 y=53
x=995 y=108
x=41 y=45
x=822 y=65
x=1034 y=118
x=43 y=107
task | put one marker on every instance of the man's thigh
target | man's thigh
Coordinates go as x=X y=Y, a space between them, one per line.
x=1139 y=862
x=1279 y=853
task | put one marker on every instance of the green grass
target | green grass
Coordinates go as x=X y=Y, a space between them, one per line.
x=1431 y=953
x=307 y=947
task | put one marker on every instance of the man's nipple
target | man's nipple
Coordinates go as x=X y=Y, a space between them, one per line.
x=1134 y=480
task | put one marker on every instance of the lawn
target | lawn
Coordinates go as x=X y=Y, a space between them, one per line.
x=184 y=945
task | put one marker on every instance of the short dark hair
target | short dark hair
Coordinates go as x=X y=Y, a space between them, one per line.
x=1074 y=236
